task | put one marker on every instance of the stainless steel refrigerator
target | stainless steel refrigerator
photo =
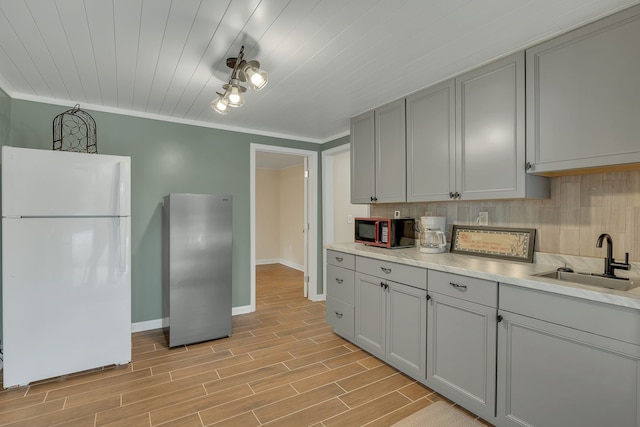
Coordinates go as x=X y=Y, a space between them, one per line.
x=197 y=248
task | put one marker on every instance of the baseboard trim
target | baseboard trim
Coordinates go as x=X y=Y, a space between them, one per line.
x=281 y=261
x=292 y=265
x=161 y=323
x=147 y=325
x=243 y=309
x=267 y=261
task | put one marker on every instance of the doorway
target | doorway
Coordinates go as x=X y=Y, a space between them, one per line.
x=309 y=226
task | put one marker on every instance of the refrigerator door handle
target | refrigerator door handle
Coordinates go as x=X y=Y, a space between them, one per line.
x=123 y=175
x=124 y=232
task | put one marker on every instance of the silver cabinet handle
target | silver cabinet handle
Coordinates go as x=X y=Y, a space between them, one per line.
x=339 y=281
x=457 y=286
x=338 y=315
x=339 y=259
x=385 y=270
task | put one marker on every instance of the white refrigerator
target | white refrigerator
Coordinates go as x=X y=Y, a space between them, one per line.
x=66 y=263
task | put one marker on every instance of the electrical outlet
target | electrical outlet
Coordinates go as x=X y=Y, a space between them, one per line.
x=483 y=218
x=396 y=214
x=349 y=219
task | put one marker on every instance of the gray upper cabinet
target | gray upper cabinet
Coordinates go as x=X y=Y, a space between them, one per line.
x=490 y=133
x=460 y=139
x=431 y=143
x=583 y=97
x=363 y=156
x=390 y=153
x=378 y=147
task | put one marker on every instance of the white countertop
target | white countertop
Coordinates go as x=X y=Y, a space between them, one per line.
x=514 y=273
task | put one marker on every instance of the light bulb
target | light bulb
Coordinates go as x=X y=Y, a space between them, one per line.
x=219 y=105
x=234 y=94
x=256 y=77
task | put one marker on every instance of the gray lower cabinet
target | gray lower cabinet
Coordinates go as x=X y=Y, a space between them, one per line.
x=490 y=133
x=371 y=312
x=378 y=147
x=341 y=293
x=406 y=329
x=391 y=323
x=390 y=317
x=461 y=341
x=553 y=375
x=583 y=97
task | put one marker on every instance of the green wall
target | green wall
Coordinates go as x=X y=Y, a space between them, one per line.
x=165 y=158
x=336 y=143
x=5 y=114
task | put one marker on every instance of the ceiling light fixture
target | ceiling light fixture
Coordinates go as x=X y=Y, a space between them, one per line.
x=242 y=71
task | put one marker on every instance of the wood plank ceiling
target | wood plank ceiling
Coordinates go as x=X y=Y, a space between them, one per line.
x=327 y=60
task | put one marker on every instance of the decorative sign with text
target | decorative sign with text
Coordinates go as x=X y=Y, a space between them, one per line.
x=514 y=244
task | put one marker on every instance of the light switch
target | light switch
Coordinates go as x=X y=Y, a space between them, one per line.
x=349 y=219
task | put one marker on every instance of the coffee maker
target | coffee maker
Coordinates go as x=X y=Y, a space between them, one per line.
x=432 y=237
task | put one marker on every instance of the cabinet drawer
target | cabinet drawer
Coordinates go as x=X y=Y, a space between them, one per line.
x=621 y=323
x=409 y=275
x=464 y=287
x=341 y=259
x=340 y=283
x=340 y=315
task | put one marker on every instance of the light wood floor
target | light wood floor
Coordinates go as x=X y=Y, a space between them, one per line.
x=283 y=366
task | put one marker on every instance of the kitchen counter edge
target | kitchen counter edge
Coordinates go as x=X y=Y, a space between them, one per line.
x=512 y=273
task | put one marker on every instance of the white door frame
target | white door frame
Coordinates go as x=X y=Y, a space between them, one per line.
x=312 y=211
x=327 y=204
x=327 y=191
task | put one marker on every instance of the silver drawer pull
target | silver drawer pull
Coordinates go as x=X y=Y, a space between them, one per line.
x=339 y=259
x=457 y=286
x=338 y=315
x=339 y=281
x=385 y=270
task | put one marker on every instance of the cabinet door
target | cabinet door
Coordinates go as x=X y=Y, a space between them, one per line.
x=362 y=158
x=407 y=329
x=583 y=97
x=461 y=352
x=550 y=375
x=370 y=310
x=431 y=143
x=490 y=132
x=390 y=143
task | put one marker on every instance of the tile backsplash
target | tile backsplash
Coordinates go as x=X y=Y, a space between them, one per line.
x=580 y=208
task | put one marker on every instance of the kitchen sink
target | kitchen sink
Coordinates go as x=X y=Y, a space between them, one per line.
x=591 y=280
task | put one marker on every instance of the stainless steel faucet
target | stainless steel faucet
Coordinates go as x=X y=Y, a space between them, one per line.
x=610 y=264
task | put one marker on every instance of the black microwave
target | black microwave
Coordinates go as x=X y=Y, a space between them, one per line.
x=386 y=232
